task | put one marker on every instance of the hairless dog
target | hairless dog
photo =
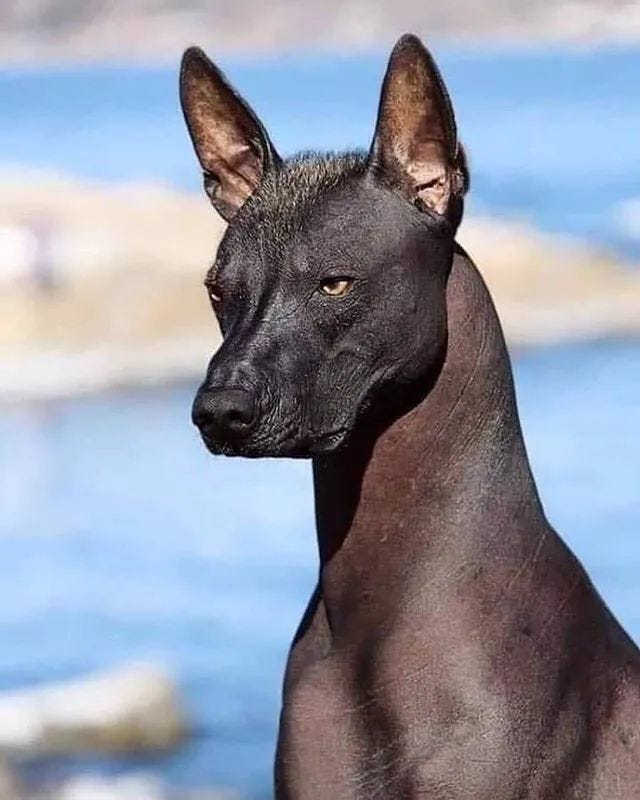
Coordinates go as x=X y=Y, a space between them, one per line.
x=454 y=649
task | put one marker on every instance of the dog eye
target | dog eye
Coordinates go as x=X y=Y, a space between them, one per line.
x=215 y=295
x=336 y=287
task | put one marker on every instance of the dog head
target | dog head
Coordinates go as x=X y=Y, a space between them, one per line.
x=329 y=283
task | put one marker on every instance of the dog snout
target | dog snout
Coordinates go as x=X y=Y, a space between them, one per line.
x=224 y=415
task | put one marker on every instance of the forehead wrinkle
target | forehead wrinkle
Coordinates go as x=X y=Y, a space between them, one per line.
x=283 y=309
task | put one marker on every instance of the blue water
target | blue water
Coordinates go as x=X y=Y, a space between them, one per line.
x=120 y=537
x=552 y=134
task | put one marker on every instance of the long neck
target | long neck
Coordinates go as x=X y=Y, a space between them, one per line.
x=444 y=488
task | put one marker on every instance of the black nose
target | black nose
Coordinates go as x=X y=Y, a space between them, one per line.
x=224 y=414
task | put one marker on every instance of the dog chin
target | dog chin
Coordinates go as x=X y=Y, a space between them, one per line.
x=292 y=448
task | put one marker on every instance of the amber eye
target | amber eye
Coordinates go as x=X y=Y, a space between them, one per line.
x=336 y=287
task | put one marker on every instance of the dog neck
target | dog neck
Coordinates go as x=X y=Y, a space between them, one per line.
x=443 y=494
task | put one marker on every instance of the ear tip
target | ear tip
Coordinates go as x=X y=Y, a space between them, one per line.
x=192 y=56
x=194 y=51
x=196 y=64
x=408 y=42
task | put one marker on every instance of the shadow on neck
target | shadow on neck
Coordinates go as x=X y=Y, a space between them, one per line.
x=445 y=474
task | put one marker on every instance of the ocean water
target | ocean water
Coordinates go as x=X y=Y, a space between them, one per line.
x=552 y=135
x=121 y=538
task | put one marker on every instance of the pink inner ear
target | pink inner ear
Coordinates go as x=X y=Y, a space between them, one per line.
x=436 y=195
x=427 y=169
x=415 y=139
x=221 y=146
x=229 y=141
x=240 y=170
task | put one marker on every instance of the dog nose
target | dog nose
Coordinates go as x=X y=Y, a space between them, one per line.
x=224 y=413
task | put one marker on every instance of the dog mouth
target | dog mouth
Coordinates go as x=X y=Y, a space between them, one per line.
x=284 y=446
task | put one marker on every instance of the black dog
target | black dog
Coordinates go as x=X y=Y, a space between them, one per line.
x=454 y=648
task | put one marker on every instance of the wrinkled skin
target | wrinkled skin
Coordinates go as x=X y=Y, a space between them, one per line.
x=454 y=648
x=313 y=362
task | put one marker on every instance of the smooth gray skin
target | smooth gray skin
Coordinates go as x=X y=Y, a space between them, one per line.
x=454 y=649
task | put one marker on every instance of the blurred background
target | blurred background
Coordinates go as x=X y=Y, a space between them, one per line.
x=149 y=591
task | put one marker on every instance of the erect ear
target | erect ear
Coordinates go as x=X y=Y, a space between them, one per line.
x=415 y=147
x=232 y=146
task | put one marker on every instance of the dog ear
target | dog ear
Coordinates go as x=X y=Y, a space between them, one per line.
x=415 y=146
x=233 y=148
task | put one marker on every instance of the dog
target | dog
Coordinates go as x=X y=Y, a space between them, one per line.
x=453 y=648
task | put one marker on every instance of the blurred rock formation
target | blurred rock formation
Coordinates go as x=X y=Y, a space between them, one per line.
x=131 y=709
x=125 y=304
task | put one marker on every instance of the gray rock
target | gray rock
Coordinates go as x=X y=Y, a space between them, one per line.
x=130 y=709
x=10 y=788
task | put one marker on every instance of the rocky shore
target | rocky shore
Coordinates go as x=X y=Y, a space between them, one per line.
x=132 y=709
x=137 y=786
x=135 y=708
x=101 y=287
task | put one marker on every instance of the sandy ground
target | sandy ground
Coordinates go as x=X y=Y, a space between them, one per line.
x=103 y=287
